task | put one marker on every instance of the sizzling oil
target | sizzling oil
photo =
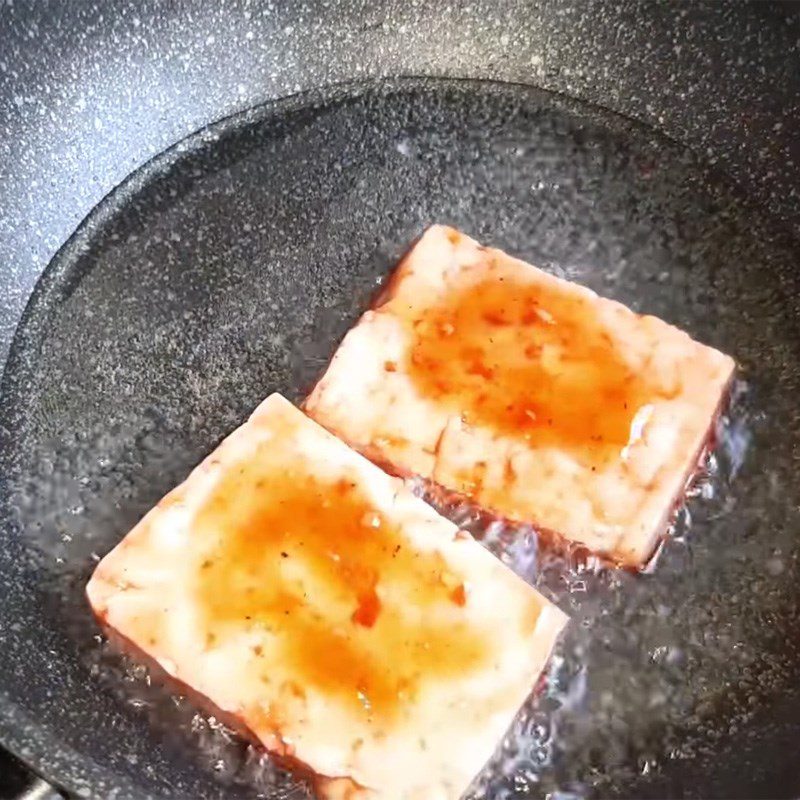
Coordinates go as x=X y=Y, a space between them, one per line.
x=528 y=361
x=359 y=614
x=648 y=660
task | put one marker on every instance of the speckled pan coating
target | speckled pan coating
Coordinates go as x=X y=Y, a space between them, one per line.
x=88 y=93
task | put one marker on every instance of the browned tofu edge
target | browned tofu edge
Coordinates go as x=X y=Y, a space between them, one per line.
x=325 y=787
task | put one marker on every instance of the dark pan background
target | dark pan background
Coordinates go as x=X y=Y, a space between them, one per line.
x=89 y=92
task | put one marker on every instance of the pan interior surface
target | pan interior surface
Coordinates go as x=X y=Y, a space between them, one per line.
x=230 y=267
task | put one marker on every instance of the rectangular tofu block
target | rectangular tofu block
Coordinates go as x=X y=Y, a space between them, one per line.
x=531 y=395
x=332 y=615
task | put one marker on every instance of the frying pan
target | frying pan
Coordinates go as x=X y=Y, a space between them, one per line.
x=241 y=177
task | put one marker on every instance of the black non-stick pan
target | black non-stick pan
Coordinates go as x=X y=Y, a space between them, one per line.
x=247 y=174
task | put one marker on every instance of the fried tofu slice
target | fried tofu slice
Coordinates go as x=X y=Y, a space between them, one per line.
x=329 y=613
x=530 y=395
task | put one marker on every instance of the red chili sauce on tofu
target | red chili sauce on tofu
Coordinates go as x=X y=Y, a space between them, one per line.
x=531 y=362
x=357 y=612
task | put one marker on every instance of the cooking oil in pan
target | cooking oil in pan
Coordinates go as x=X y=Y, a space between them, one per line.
x=231 y=266
x=561 y=737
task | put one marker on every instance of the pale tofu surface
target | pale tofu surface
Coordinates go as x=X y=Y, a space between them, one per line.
x=531 y=395
x=331 y=613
